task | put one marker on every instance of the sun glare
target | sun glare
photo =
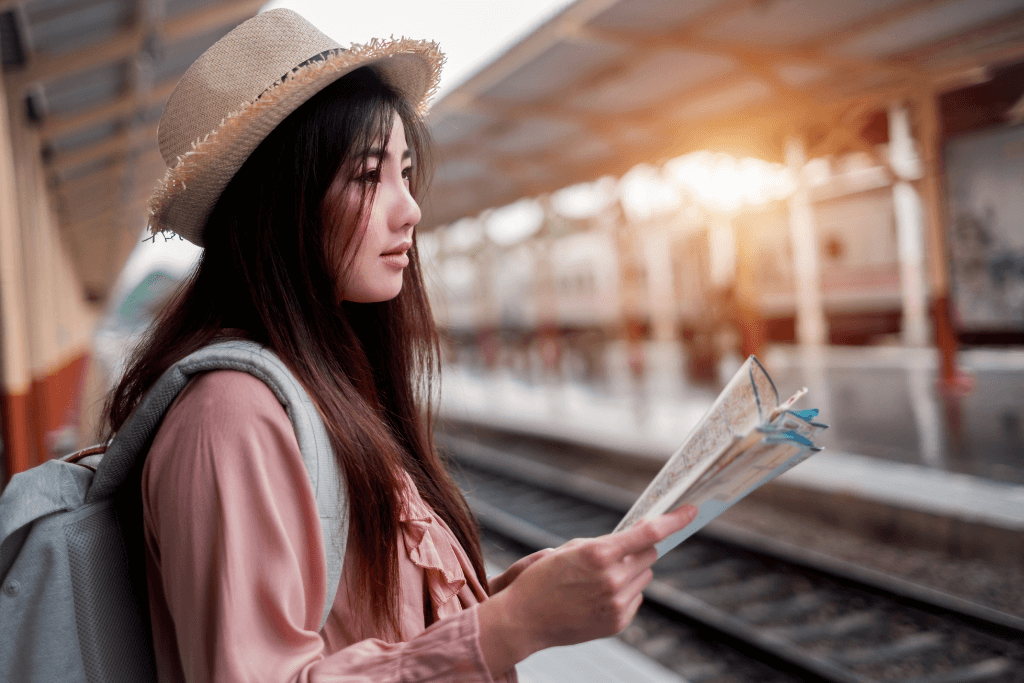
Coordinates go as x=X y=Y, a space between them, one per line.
x=717 y=183
x=645 y=193
x=723 y=183
x=514 y=222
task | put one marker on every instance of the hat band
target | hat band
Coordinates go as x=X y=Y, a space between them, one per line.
x=312 y=60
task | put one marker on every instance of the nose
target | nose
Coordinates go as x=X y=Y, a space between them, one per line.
x=405 y=211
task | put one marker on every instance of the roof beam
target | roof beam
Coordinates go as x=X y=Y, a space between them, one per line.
x=997 y=28
x=98 y=251
x=215 y=16
x=570 y=22
x=109 y=180
x=651 y=115
x=128 y=208
x=88 y=187
x=120 y=107
x=832 y=107
x=131 y=40
x=890 y=15
x=132 y=206
x=649 y=43
x=737 y=127
x=756 y=60
x=604 y=126
x=119 y=144
x=760 y=60
x=527 y=48
x=118 y=47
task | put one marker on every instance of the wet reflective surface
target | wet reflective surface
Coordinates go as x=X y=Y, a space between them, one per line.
x=881 y=402
x=886 y=403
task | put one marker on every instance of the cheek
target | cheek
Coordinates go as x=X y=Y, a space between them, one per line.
x=347 y=233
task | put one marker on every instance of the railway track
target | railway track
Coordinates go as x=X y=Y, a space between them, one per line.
x=795 y=612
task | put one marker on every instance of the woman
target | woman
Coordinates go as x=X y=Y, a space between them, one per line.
x=296 y=165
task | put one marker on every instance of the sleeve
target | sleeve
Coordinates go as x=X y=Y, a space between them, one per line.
x=230 y=510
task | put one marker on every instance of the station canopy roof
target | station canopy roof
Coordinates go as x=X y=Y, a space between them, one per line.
x=603 y=85
x=92 y=76
x=607 y=84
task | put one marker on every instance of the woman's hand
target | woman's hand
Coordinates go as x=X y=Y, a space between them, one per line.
x=586 y=589
x=499 y=582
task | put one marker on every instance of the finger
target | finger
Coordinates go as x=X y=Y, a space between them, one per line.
x=631 y=610
x=522 y=563
x=638 y=582
x=501 y=581
x=571 y=544
x=539 y=555
x=649 y=532
x=641 y=560
x=679 y=518
x=635 y=605
x=633 y=566
x=671 y=522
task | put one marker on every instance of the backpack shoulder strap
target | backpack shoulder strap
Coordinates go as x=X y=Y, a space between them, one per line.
x=135 y=437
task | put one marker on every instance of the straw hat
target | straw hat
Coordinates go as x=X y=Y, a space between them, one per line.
x=249 y=81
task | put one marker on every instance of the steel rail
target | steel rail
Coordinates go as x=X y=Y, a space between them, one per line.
x=662 y=594
x=774 y=645
x=605 y=495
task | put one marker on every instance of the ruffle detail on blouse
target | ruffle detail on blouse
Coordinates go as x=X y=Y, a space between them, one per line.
x=431 y=550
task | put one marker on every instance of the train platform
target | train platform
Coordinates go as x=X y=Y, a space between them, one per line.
x=607 y=660
x=893 y=468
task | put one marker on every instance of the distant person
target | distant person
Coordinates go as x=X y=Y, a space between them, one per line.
x=297 y=164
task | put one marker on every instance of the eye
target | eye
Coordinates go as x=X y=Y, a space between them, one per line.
x=370 y=177
x=407 y=173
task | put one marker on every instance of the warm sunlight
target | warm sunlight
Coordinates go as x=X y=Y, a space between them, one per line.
x=720 y=182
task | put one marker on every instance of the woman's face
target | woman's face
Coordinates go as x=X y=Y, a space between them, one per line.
x=372 y=265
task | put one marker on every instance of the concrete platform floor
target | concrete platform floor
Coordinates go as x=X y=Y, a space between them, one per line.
x=893 y=466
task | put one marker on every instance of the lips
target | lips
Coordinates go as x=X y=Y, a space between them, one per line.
x=398 y=257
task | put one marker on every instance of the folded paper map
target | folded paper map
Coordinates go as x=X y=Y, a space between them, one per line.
x=746 y=439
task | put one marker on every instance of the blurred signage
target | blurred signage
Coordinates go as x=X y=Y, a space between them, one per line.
x=986 y=228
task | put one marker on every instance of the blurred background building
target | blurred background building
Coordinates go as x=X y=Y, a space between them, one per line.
x=635 y=192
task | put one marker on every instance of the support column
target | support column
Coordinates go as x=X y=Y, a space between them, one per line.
x=748 y=299
x=731 y=287
x=906 y=165
x=811 y=326
x=937 y=262
x=550 y=343
x=663 y=361
x=910 y=235
x=485 y=308
x=15 y=377
x=721 y=251
x=660 y=290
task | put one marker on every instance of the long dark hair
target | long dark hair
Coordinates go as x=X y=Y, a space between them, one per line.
x=269 y=269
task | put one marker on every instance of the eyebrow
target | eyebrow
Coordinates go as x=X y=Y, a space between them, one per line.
x=379 y=153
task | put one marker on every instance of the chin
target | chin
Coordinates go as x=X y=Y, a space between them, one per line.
x=374 y=295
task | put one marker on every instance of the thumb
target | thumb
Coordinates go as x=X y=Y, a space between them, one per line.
x=651 y=531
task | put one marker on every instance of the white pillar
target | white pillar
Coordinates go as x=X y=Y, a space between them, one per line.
x=906 y=165
x=14 y=342
x=663 y=361
x=660 y=290
x=721 y=251
x=811 y=327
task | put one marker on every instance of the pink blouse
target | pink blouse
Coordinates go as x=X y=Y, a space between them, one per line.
x=237 y=582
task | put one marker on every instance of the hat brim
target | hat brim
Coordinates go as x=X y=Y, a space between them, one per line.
x=191 y=186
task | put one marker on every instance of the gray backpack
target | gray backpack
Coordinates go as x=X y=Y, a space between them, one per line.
x=73 y=600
